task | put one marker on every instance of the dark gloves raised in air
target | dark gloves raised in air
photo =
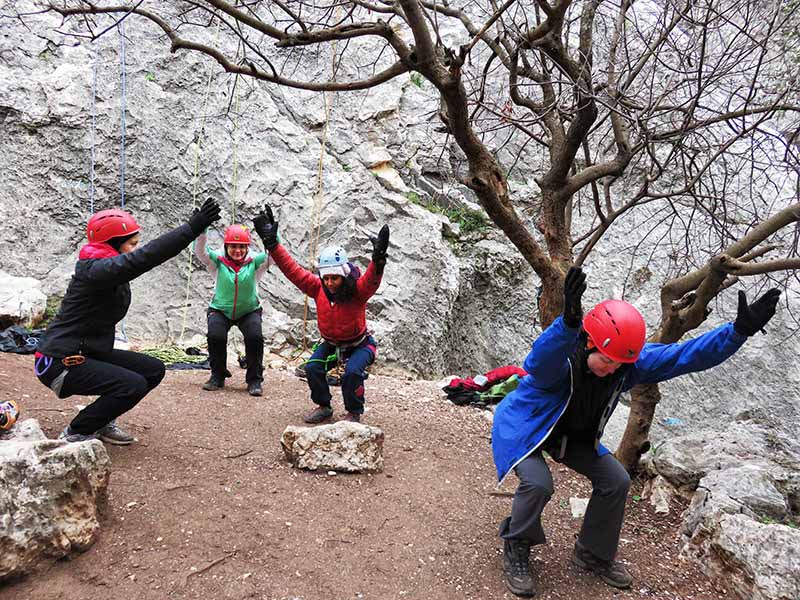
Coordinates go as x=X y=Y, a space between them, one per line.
x=751 y=318
x=574 y=286
x=380 y=245
x=267 y=228
x=204 y=216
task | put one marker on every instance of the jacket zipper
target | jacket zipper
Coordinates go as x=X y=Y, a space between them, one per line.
x=235 y=294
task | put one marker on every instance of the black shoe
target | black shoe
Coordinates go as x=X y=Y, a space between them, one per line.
x=213 y=384
x=254 y=389
x=517 y=567
x=352 y=417
x=318 y=415
x=610 y=571
x=114 y=434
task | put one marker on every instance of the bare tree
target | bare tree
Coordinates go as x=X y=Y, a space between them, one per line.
x=677 y=97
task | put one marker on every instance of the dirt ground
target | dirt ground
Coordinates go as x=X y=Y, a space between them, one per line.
x=205 y=506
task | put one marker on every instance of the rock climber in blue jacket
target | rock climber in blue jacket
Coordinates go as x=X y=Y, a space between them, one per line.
x=576 y=370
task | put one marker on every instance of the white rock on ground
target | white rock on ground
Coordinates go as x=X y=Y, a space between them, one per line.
x=343 y=446
x=50 y=495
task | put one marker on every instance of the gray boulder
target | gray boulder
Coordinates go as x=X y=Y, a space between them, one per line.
x=686 y=459
x=759 y=561
x=741 y=524
x=50 y=495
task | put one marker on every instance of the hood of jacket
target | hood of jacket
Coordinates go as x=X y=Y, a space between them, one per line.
x=97 y=250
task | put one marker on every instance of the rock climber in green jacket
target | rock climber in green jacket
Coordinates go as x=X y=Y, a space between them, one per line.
x=235 y=302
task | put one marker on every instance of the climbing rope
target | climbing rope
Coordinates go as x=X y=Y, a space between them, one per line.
x=235 y=145
x=199 y=134
x=316 y=208
x=234 y=188
x=93 y=129
x=123 y=107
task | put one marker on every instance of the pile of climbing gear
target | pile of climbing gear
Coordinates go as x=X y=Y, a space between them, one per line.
x=19 y=340
x=484 y=390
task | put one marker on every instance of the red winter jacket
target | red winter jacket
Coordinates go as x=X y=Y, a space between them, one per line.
x=339 y=323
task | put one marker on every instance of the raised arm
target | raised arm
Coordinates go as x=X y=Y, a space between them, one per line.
x=659 y=362
x=548 y=359
x=267 y=229
x=126 y=267
x=368 y=284
x=201 y=252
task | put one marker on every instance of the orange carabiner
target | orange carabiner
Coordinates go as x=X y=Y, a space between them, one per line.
x=73 y=361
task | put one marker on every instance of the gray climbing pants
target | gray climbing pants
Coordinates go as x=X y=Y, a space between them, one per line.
x=603 y=520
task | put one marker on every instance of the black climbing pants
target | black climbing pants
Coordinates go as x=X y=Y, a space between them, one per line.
x=250 y=326
x=120 y=379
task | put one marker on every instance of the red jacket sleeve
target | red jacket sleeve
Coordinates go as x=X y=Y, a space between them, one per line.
x=368 y=283
x=306 y=281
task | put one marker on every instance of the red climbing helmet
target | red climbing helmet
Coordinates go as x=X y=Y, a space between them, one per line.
x=237 y=234
x=110 y=223
x=617 y=329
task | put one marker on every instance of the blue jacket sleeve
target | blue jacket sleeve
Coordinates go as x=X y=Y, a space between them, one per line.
x=547 y=362
x=659 y=362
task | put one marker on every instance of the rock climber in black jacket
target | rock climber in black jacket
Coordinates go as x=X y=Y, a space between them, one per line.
x=76 y=354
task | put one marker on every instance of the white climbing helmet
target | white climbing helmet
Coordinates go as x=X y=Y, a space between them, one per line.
x=333 y=261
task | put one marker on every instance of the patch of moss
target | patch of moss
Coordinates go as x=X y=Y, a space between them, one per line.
x=469 y=220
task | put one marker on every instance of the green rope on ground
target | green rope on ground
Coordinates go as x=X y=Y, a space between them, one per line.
x=172 y=354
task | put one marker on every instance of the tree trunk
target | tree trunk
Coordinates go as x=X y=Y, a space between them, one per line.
x=635 y=439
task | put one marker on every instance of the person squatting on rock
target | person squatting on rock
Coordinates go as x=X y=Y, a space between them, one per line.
x=577 y=368
x=76 y=354
x=235 y=302
x=340 y=293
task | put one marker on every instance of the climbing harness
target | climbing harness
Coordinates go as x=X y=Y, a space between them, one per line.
x=73 y=361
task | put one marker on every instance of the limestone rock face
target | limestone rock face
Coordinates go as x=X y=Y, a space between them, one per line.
x=50 y=495
x=343 y=446
x=450 y=301
x=742 y=523
x=684 y=460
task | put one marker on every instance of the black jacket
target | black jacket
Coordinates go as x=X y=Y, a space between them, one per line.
x=99 y=295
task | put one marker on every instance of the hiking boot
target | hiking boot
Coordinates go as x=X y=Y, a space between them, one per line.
x=318 y=415
x=610 y=571
x=113 y=434
x=254 y=389
x=213 y=384
x=517 y=567
x=71 y=436
x=352 y=417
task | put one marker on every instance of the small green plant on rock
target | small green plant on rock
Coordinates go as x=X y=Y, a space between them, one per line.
x=468 y=220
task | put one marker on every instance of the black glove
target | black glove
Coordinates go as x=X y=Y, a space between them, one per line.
x=267 y=228
x=204 y=216
x=380 y=245
x=574 y=286
x=752 y=318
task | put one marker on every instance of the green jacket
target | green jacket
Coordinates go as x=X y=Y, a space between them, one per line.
x=235 y=292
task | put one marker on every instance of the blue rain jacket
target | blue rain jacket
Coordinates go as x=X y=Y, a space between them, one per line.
x=527 y=415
